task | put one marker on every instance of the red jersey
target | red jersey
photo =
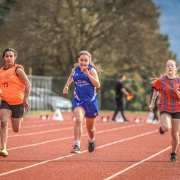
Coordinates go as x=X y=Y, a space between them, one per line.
x=12 y=87
x=169 y=100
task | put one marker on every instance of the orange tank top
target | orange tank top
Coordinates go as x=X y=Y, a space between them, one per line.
x=10 y=84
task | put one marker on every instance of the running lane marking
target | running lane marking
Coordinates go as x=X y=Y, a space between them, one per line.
x=54 y=130
x=65 y=138
x=56 y=159
x=136 y=164
x=42 y=125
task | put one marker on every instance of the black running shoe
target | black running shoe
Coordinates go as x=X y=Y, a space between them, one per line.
x=76 y=149
x=126 y=121
x=173 y=157
x=91 y=147
x=113 y=121
x=160 y=130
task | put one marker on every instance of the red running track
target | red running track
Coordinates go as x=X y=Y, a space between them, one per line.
x=124 y=151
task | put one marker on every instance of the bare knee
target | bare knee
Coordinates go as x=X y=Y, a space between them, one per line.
x=16 y=129
x=16 y=124
x=4 y=124
x=79 y=121
x=175 y=136
x=165 y=128
x=91 y=130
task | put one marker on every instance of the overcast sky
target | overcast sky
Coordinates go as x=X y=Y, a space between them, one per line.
x=170 y=22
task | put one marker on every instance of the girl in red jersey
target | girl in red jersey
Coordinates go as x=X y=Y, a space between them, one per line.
x=14 y=91
x=169 y=104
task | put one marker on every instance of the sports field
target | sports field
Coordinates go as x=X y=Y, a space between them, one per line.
x=124 y=151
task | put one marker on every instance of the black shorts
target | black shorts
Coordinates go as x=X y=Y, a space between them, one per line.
x=17 y=110
x=175 y=115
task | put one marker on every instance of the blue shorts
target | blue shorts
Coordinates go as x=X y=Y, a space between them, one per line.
x=17 y=110
x=90 y=108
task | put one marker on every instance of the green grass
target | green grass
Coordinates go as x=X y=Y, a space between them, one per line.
x=108 y=111
x=135 y=112
x=38 y=112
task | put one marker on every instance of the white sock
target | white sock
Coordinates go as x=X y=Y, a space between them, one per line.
x=77 y=143
x=91 y=139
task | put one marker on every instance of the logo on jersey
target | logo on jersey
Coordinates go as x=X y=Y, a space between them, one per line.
x=7 y=75
x=81 y=83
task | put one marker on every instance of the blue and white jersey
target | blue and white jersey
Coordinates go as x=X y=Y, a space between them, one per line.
x=84 y=90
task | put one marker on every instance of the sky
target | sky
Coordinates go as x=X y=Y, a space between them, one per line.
x=170 y=22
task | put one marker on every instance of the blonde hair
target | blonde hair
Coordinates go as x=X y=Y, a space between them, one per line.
x=155 y=78
x=98 y=68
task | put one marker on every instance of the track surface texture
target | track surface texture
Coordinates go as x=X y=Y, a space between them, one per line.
x=124 y=151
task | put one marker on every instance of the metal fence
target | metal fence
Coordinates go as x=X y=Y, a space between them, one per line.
x=106 y=94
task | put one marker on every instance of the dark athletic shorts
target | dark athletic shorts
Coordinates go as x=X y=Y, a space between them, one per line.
x=175 y=115
x=17 y=110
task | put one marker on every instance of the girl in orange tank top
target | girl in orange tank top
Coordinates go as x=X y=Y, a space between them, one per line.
x=14 y=92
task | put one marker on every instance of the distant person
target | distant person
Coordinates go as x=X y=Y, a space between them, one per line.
x=85 y=100
x=169 y=106
x=14 y=90
x=120 y=93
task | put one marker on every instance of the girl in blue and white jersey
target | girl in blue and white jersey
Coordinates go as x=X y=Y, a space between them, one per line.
x=85 y=100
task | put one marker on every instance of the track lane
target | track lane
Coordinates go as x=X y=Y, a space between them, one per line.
x=101 y=164
x=51 y=150
x=87 y=161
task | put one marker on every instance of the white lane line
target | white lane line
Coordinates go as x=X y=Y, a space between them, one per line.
x=49 y=124
x=69 y=137
x=40 y=143
x=34 y=165
x=124 y=127
x=62 y=129
x=41 y=125
x=62 y=157
x=40 y=132
x=136 y=164
x=127 y=139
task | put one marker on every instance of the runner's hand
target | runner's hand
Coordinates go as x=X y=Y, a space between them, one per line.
x=26 y=105
x=85 y=70
x=151 y=107
x=65 y=90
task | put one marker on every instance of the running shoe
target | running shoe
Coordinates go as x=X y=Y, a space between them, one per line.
x=91 y=147
x=173 y=157
x=155 y=121
x=3 y=152
x=117 y=121
x=126 y=121
x=76 y=149
x=113 y=121
x=160 y=130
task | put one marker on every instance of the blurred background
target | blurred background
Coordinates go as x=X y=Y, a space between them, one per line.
x=130 y=37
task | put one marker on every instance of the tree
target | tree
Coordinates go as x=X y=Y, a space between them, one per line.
x=5 y=8
x=48 y=35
